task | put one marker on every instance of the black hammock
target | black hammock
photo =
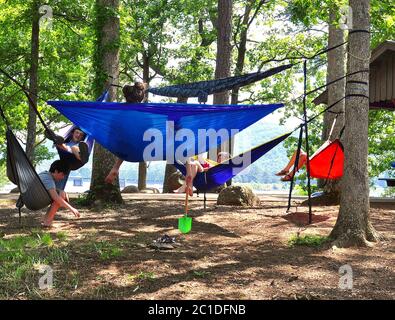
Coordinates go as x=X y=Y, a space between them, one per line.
x=21 y=172
x=202 y=89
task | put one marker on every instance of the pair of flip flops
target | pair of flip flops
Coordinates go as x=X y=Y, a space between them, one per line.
x=165 y=243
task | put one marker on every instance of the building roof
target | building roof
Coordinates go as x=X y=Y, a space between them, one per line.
x=383 y=53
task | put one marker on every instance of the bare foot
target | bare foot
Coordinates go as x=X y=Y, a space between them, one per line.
x=282 y=173
x=288 y=177
x=46 y=226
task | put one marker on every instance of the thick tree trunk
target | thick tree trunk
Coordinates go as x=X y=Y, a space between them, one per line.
x=142 y=176
x=223 y=58
x=353 y=226
x=336 y=91
x=107 y=64
x=170 y=169
x=241 y=53
x=33 y=81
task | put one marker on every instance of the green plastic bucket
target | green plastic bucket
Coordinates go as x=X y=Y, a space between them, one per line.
x=185 y=224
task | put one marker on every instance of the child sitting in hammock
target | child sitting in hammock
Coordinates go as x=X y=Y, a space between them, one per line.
x=287 y=173
x=199 y=164
x=76 y=145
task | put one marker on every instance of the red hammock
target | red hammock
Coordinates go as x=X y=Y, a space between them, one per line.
x=327 y=162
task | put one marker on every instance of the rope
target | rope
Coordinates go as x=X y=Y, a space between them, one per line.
x=307 y=139
x=31 y=103
x=295 y=166
x=318 y=53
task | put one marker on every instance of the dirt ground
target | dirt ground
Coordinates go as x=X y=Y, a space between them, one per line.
x=231 y=253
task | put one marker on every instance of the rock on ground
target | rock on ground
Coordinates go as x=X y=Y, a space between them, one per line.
x=238 y=196
x=130 y=189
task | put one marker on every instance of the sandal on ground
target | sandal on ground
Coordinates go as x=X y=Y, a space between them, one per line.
x=282 y=173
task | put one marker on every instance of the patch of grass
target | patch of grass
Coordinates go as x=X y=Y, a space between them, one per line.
x=309 y=240
x=107 y=250
x=200 y=274
x=73 y=280
x=19 y=258
x=150 y=276
x=62 y=236
x=83 y=200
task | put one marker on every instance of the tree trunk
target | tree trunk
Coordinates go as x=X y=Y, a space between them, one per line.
x=142 y=176
x=170 y=169
x=33 y=81
x=107 y=66
x=241 y=53
x=223 y=59
x=336 y=91
x=353 y=226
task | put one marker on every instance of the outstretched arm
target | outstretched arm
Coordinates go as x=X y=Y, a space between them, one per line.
x=61 y=202
x=114 y=171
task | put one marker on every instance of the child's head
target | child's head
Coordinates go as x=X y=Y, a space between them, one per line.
x=135 y=93
x=59 y=169
x=77 y=134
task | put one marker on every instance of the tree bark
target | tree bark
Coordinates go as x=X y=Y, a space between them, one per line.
x=336 y=91
x=33 y=81
x=107 y=66
x=223 y=58
x=142 y=176
x=241 y=53
x=353 y=226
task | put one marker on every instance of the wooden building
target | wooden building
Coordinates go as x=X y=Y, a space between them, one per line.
x=381 y=78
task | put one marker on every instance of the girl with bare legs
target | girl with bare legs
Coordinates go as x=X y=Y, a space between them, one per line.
x=287 y=175
x=192 y=167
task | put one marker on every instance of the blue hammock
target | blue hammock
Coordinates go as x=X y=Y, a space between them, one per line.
x=69 y=157
x=202 y=89
x=120 y=127
x=223 y=172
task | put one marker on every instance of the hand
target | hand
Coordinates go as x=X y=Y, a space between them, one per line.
x=75 y=212
x=111 y=176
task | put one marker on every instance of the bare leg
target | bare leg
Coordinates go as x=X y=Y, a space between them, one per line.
x=76 y=152
x=302 y=162
x=291 y=163
x=50 y=215
x=192 y=171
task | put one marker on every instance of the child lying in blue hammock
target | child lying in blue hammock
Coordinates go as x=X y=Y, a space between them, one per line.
x=199 y=164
